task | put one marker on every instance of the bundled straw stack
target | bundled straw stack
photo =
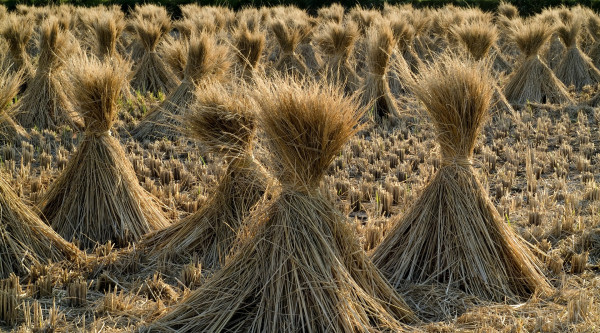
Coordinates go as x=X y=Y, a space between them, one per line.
x=532 y=80
x=249 y=44
x=508 y=10
x=151 y=74
x=375 y=86
x=478 y=38
x=336 y=42
x=453 y=234
x=225 y=124
x=300 y=268
x=107 y=28
x=575 y=68
x=288 y=36
x=206 y=62
x=404 y=34
x=97 y=197
x=10 y=131
x=25 y=240
x=17 y=31
x=45 y=102
x=594 y=28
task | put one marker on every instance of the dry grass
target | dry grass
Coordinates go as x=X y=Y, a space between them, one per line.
x=288 y=35
x=97 y=197
x=17 y=31
x=10 y=131
x=249 y=45
x=453 y=234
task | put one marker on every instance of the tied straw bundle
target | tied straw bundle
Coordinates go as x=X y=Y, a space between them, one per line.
x=453 y=234
x=226 y=126
x=97 y=197
x=299 y=267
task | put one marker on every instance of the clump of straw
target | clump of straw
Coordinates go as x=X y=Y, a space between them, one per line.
x=10 y=131
x=478 y=38
x=575 y=68
x=26 y=240
x=299 y=267
x=375 y=86
x=17 y=31
x=532 y=80
x=336 y=42
x=97 y=197
x=206 y=61
x=45 y=102
x=288 y=36
x=249 y=45
x=333 y=13
x=453 y=234
x=225 y=125
x=107 y=28
x=508 y=10
x=404 y=34
x=594 y=29
x=151 y=74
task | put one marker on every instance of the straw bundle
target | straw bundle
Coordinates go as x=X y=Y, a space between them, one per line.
x=332 y=13
x=25 y=240
x=288 y=37
x=453 y=234
x=97 y=197
x=508 y=10
x=10 y=131
x=594 y=29
x=375 y=87
x=336 y=42
x=575 y=68
x=107 y=28
x=17 y=31
x=249 y=46
x=45 y=102
x=206 y=61
x=225 y=125
x=404 y=35
x=151 y=73
x=532 y=80
x=300 y=268
x=478 y=38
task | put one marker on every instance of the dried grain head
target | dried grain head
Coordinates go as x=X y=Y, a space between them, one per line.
x=151 y=12
x=287 y=37
x=306 y=125
x=380 y=44
x=97 y=87
x=531 y=36
x=222 y=122
x=9 y=88
x=457 y=94
x=107 y=28
x=478 y=37
x=54 y=45
x=569 y=32
x=421 y=21
x=17 y=30
x=508 y=10
x=249 y=45
x=206 y=59
x=334 y=13
x=403 y=32
x=337 y=39
x=190 y=10
x=150 y=32
x=593 y=25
